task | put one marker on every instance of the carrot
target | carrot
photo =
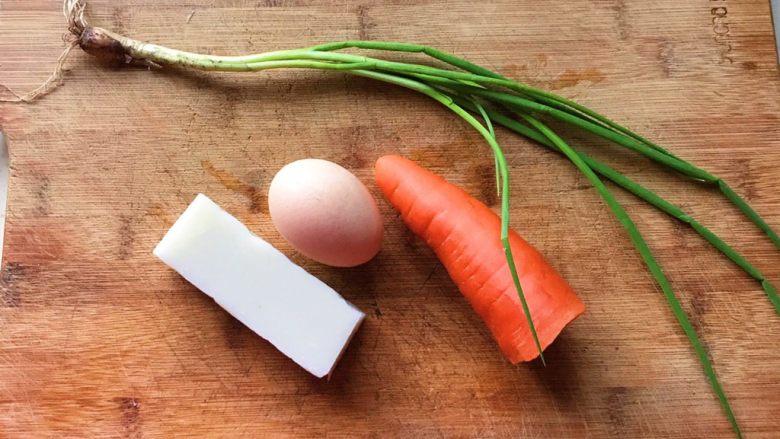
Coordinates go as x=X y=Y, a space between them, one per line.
x=466 y=236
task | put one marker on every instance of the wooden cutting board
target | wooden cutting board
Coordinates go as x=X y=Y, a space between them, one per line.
x=99 y=339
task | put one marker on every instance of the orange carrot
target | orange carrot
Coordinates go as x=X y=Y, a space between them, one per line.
x=466 y=236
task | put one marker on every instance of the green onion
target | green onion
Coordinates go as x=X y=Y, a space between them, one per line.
x=649 y=259
x=643 y=193
x=489 y=125
x=555 y=102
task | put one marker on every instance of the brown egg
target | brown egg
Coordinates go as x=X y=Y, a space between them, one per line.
x=325 y=213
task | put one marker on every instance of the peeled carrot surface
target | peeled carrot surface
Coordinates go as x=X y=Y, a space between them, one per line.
x=466 y=236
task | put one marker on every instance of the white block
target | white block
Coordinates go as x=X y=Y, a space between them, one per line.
x=304 y=318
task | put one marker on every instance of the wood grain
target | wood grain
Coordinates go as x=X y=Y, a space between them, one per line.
x=99 y=339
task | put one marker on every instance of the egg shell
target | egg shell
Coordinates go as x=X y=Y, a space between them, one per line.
x=326 y=213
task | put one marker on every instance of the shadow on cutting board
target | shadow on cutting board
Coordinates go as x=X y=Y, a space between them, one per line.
x=560 y=376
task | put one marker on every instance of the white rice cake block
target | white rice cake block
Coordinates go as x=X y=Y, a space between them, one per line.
x=304 y=318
